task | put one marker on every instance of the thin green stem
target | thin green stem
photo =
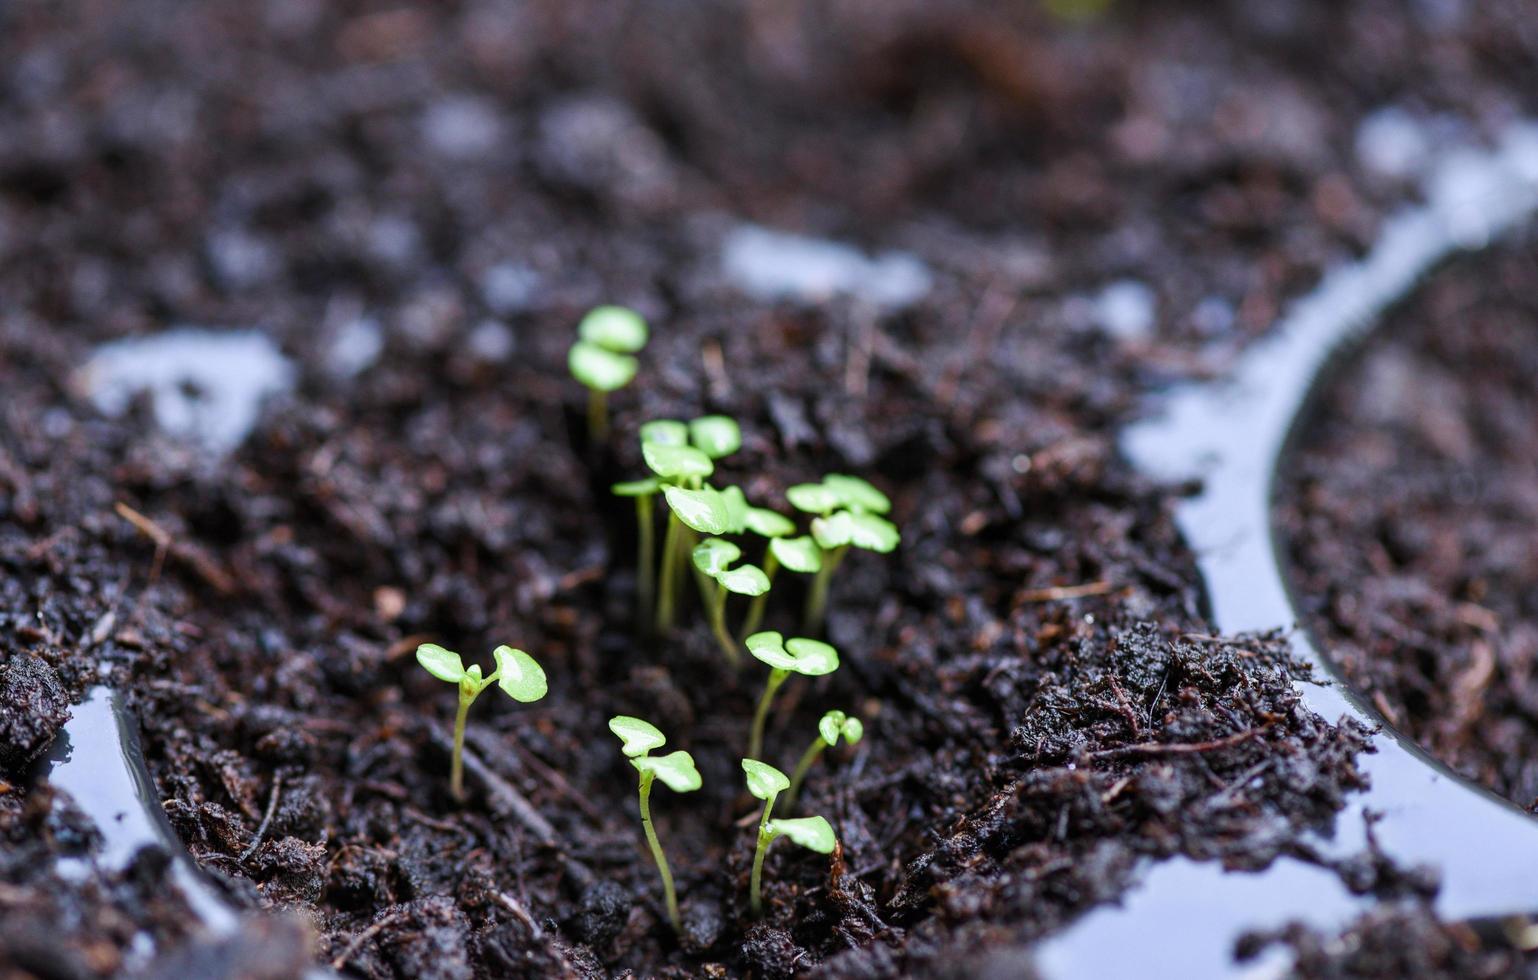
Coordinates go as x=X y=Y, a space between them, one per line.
x=765 y=838
x=755 y=616
x=756 y=735
x=457 y=767
x=597 y=416
x=646 y=556
x=817 y=598
x=665 y=587
x=651 y=838
x=807 y=759
x=718 y=626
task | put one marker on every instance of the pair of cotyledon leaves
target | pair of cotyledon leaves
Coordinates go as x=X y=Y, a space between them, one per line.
x=638 y=738
x=766 y=782
x=714 y=556
x=607 y=338
x=835 y=723
x=848 y=512
x=517 y=673
x=798 y=655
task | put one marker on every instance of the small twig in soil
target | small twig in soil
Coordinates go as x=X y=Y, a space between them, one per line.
x=261 y=828
x=165 y=544
x=1060 y=592
x=365 y=936
x=1178 y=748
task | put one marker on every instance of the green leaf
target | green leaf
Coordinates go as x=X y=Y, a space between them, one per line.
x=768 y=523
x=812 y=833
x=854 y=730
x=676 y=769
x=813 y=498
x=519 y=675
x=676 y=462
x=764 y=781
x=744 y=580
x=600 y=369
x=872 y=533
x=856 y=494
x=639 y=737
x=813 y=657
x=442 y=664
x=830 y=726
x=834 y=531
x=769 y=647
x=715 y=435
x=614 y=328
x=713 y=556
x=736 y=510
x=797 y=554
x=703 y=509
x=637 y=488
x=666 y=432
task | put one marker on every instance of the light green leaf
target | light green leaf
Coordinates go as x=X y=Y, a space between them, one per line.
x=715 y=435
x=736 y=510
x=830 y=726
x=713 y=556
x=797 y=554
x=600 y=369
x=813 y=498
x=812 y=833
x=639 y=737
x=856 y=494
x=676 y=462
x=744 y=580
x=834 y=531
x=813 y=657
x=521 y=677
x=676 y=769
x=637 y=488
x=666 y=432
x=872 y=533
x=614 y=328
x=703 y=509
x=769 y=647
x=764 y=781
x=768 y=523
x=854 y=730
x=442 y=664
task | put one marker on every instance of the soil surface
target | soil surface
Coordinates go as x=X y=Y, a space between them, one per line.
x=1411 y=517
x=415 y=205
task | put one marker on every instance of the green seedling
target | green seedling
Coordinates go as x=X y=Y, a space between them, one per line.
x=603 y=359
x=677 y=772
x=644 y=492
x=771 y=525
x=715 y=435
x=830 y=728
x=799 y=655
x=713 y=558
x=847 y=514
x=682 y=471
x=517 y=674
x=814 y=833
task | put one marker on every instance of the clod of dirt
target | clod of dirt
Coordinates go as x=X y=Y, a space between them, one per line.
x=34 y=705
x=772 y=952
x=601 y=913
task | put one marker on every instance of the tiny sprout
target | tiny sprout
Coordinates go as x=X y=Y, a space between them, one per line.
x=703 y=510
x=517 y=674
x=829 y=729
x=602 y=359
x=715 y=435
x=814 y=833
x=643 y=491
x=713 y=557
x=799 y=655
x=677 y=772
x=797 y=554
x=848 y=514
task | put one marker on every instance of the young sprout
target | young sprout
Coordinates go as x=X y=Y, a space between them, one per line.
x=643 y=491
x=814 y=833
x=713 y=558
x=766 y=524
x=810 y=658
x=602 y=359
x=848 y=514
x=829 y=728
x=519 y=676
x=682 y=471
x=677 y=772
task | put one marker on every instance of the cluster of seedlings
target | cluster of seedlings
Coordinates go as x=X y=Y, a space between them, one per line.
x=700 y=518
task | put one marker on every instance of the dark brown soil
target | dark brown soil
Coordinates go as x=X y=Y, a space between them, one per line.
x=1410 y=514
x=265 y=166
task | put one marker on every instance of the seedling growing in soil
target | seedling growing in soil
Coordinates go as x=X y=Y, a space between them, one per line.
x=643 y=491
x=713 y=558
x=848 y=514
x=602 y=359
x=799 y=655
x=829 y=728
x=677 y=772
x=814 y=833
x=771 y=525
x=682 y=471
x=517 y=674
